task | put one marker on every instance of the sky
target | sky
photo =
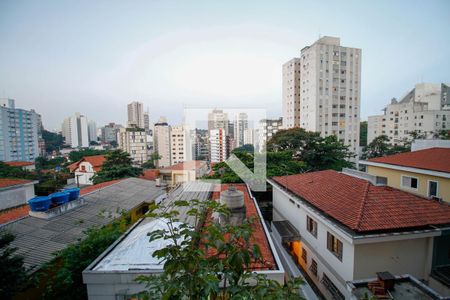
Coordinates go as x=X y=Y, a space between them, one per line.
x=94 y=57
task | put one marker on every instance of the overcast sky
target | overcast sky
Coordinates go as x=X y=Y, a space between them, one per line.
x=60 y=57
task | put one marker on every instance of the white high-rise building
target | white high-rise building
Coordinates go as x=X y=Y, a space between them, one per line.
x=133 y=140
x=218 y=119
x=92 y=131
x=178 y=144
x=291 y=93
x=218 y=145
x=424 y=110
x=136 y=114
x=330 y=91
x=240 y=126
x=266 y=129
x=161 y=136
x=147 y=122
x=75 y=131
x=249 y=136
x=19 y=132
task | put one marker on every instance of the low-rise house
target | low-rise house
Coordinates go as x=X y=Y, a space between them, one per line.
x=86 y=168
x=425 y=172
x=342 y=228
x=24 y=165
x=184 y=172
x=15 y=192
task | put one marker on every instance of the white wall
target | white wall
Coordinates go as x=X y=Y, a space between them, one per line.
x=16 y=196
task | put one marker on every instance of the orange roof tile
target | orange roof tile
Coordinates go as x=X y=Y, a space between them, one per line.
x=435 y=159
x=150 y=174
x=96 y=161
x=14 y=214
x=19 y=163
x=5 y=182
x=363 y=207
x=187 y=165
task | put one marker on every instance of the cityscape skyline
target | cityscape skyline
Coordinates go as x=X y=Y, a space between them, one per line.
x=236 y=55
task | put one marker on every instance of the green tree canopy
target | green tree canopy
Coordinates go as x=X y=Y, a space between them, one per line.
x=151 y=163
x=53 y=141
x=245 y=148
x=118 y=164
x=363 y=133
x=75 y=156
x=214 y=262
x=380 y=146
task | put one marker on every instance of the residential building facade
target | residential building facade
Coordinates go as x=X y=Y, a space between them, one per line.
x=136 y=114
x=134 y=141
x=291 y=93
x=266 y=129
x=240 y=126
x=424 y=111
x=340 y=232
x=218 y=119
x=424 y=172
x=19 y=132
x=86 y=168
x=218 y=145
x=75 y=131
x=162 y=142
x=178 y=144
x=109 y=133
x=92 y=131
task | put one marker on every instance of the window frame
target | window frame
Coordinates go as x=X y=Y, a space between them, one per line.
x=409 y=187
x=312 y=232
x=305 y=255
x=428 y=188
x=331 y=244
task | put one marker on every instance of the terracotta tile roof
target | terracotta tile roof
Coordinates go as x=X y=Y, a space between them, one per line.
x=14 y=214
x=187 y=165
x=96 y=161
x=19 y=163
x=435 y=159
x=363 y=207
x=5 y=182
x=259 y=237
x=150 y=174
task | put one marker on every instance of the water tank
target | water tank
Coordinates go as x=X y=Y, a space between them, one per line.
x=60 y=197
x=74 y=193
x=41 y=203
x=232 y=198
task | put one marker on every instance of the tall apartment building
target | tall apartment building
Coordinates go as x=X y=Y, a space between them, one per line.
x=92 y=131
x=109 y=133
x=133 y=140
x=200 y=145
x=19 y=132
x=330 y=89
x=218 y=145
x=75 y=131
x=424 y=110
x=266 y=129
x=218 y=119
x=136 y=114
x=291 y=93
x=178 y=144
x=240 y=125
x=249 y=136
x=162 y=141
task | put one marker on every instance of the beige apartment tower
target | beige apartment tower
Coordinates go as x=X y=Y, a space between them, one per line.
x=136 y=114
x=291 y=93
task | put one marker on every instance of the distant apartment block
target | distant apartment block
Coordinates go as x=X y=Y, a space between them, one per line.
x=240 y=126
x=75 y=131
x=133 y=140
x=136 y=114
x=200 y=145
x=424 y=110
x=218 y=145
x=266 y=129
x=178 y=145
x=291 y=93
x=162 y=142
x=109 y=133
x=92 y=131
x=19 y=132
x=218 y=119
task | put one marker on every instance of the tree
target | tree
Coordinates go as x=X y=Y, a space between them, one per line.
x=43 y=163
x=77 y=155
x=245 y=148
x=12 y=272
x=377 y=147
x=210 y=263
x=113 y=144
x=94 y=143
x=151 y=163
x=118 y=164
x=53 y=141
x=363 y=133
x=442 y=134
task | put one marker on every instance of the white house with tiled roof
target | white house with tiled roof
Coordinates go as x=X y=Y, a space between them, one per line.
x=342 y=227
x=86 y=168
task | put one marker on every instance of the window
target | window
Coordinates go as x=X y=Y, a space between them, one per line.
x=334 y=245
x=432 y=188
x=311 y=226
x=410 y=182
x=304 y=255
x=313 y=267
x=332 y=288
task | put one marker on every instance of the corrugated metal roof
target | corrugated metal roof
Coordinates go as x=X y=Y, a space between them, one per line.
x=37 y=239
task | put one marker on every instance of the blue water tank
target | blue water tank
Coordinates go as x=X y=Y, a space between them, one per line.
x=40 y=203
x=60 y=197
x=74 y=193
